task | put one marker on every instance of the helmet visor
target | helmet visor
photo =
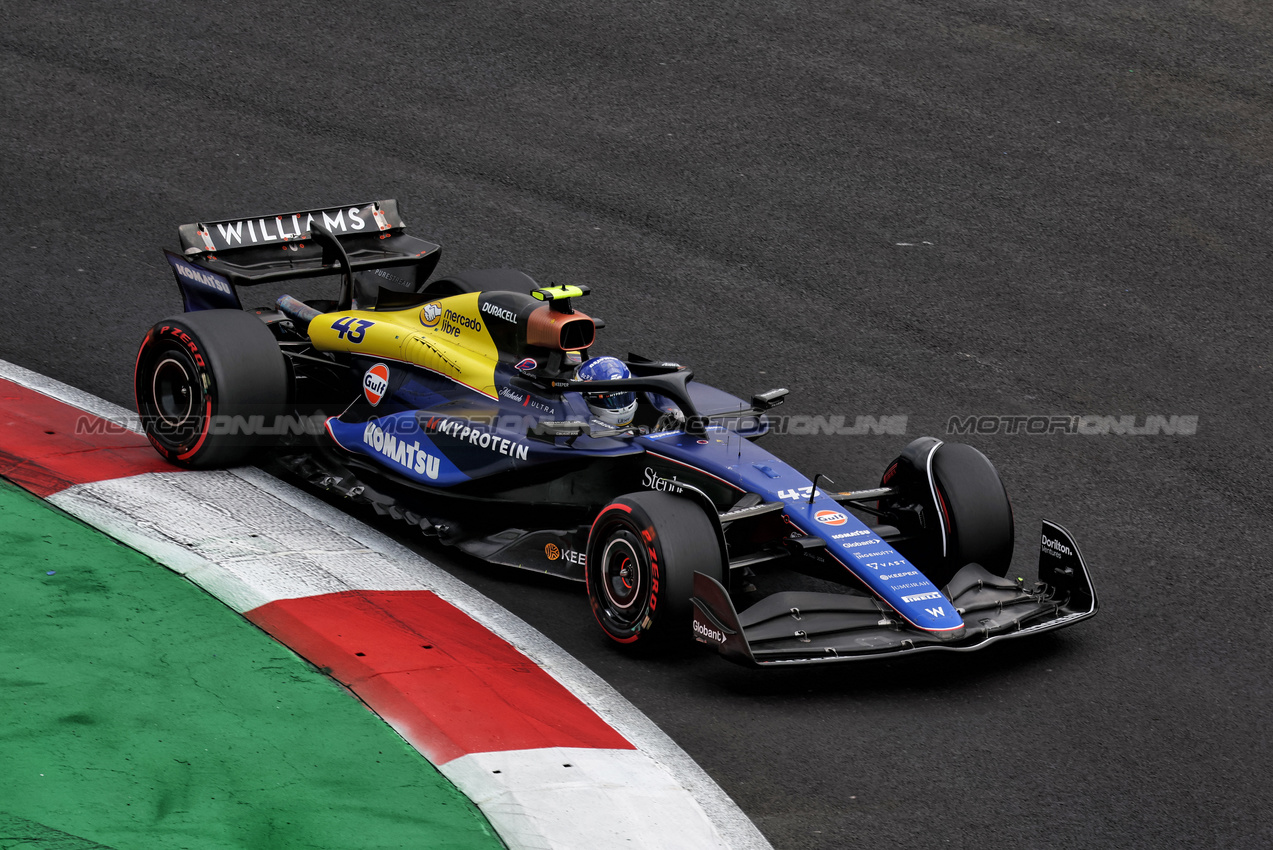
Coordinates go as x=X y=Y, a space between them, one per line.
x=612 y=401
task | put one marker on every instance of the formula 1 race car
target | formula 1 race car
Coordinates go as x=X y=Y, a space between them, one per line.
x=468 y=406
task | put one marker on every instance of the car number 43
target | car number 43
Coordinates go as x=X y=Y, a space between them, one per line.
x=352 y=329
x=798 y=493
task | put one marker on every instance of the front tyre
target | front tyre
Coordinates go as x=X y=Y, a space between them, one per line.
x=643 y=551
x=952 y=508
x=207 y=384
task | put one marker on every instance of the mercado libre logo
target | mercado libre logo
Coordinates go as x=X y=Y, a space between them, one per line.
x=430 y=314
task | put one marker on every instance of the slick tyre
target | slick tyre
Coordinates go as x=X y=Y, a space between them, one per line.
x=207 y=383
x=643 y=551
x=481 y=280
x=971 y=514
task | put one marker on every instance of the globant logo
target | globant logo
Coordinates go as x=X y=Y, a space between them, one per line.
x=706 y=632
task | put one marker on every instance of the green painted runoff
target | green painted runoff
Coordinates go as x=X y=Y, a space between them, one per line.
x=139 y=712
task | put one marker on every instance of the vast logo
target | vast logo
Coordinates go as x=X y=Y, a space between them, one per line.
x=831 y=517
x=376 y=383
x=430 y=314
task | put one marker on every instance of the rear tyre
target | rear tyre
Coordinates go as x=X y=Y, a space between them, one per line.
x=643 y=551
x=207 y=383
x=967 y=517
x=481 y=280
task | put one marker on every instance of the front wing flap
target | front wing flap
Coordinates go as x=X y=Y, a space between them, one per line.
x=814 y=628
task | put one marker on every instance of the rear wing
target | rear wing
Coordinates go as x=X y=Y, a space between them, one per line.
x=218 y=256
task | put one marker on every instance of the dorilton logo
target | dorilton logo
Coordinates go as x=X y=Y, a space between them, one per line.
x=1055 y=547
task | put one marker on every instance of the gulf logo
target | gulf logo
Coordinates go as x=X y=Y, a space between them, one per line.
x=830 y=517
x=430 y=314
x=376 y=383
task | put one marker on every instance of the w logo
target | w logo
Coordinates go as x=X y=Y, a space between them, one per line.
x=939 y=611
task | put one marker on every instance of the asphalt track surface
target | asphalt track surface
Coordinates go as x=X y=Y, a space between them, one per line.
x=931 y=210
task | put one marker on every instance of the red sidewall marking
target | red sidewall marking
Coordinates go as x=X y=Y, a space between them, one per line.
x=429 y=695
x=46 y=463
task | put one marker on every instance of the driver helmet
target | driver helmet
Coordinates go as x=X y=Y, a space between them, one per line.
x=611 y=408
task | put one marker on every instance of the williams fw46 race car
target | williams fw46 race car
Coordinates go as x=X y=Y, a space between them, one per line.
x=470 y=406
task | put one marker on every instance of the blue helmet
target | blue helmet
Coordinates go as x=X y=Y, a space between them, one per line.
x=611 y=408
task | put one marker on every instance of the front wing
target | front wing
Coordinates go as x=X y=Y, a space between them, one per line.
x=816 y=628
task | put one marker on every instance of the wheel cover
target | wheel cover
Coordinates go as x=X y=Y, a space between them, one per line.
x=174 y=405
x=172 y=389
x=623 y=572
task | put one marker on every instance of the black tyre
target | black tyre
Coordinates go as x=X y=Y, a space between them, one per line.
x=643 y=551
x=206 y=384
x=968 y=517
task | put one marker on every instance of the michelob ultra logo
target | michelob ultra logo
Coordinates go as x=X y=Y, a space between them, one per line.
x=376 y=383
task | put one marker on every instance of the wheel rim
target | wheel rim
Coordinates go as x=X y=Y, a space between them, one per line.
x=172 y=389
x=173 y=412
x=622 y=573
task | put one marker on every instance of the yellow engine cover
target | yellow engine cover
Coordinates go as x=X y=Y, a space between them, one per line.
x=446 y=336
